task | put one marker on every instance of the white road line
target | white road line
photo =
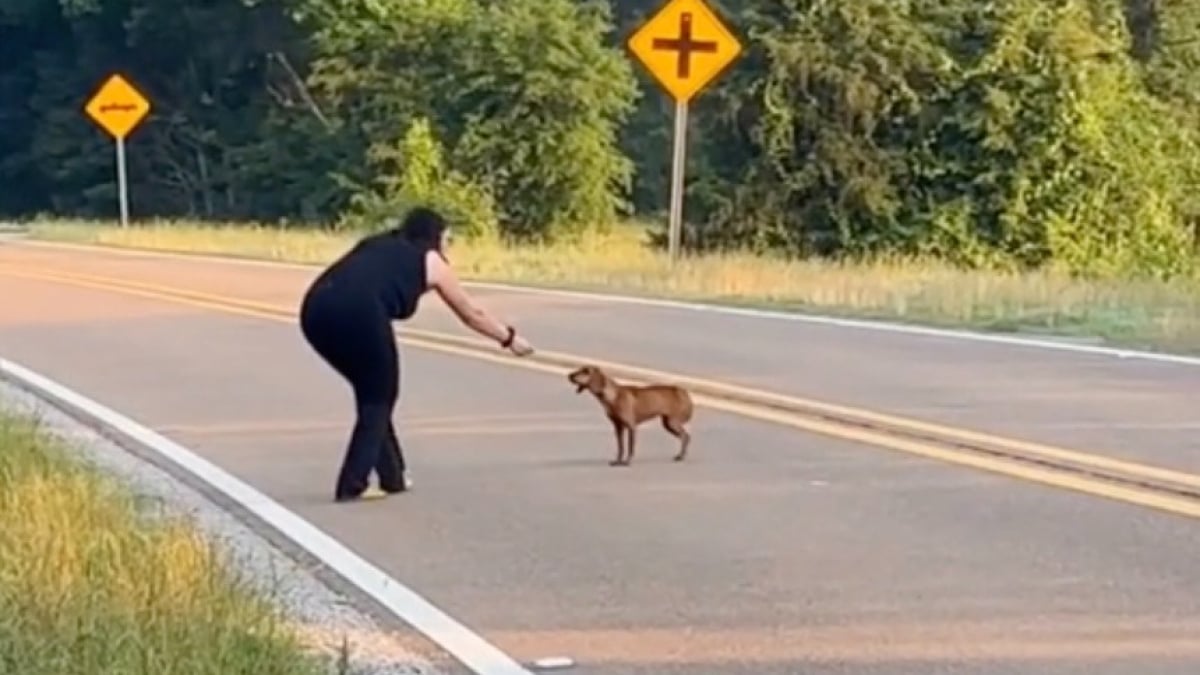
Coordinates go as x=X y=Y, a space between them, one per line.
x=481 y=657
x=746 y=313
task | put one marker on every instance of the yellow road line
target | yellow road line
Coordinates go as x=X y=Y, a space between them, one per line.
x=755 y=410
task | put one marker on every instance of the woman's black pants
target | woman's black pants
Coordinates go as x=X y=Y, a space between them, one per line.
x=354 y=336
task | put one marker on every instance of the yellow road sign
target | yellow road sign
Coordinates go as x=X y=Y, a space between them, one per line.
x=118 y=107
x=685 y=45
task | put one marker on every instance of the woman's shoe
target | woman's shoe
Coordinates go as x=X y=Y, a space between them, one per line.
x=405 y=485
x=371 y=493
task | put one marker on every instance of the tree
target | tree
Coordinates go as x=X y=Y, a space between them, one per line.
x=525 y=94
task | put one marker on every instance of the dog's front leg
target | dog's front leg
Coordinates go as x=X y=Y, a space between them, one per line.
x=619 y=430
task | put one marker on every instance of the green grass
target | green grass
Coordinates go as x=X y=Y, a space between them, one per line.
x=90 y=584
x=1142 y=313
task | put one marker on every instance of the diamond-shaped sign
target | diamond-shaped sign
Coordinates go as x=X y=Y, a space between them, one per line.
x=117 y=107
x=684 y=46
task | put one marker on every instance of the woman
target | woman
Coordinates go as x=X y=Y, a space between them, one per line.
x=346 y=317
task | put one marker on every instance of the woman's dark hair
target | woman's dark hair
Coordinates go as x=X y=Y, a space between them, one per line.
x=422 y=226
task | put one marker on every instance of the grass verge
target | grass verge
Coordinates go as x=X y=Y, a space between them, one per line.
x=1141 y=313
x=89 y=584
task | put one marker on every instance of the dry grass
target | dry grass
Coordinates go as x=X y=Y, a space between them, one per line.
x=90 y=585
x=1140 y=313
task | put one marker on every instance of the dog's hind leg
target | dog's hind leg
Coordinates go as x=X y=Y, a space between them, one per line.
x=675 y=428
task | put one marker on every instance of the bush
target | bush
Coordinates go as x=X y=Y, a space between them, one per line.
x=415 y=174
x=1016 y=135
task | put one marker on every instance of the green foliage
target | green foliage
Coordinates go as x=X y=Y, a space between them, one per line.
x=525 y=93
x=1013 y=135
x=1078 y=163
x=830 y=120
x=1023 y=134
x=553 y=96
x=415 y=174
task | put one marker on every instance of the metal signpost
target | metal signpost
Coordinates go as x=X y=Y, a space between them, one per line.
x=685 y=45
x=117 y=107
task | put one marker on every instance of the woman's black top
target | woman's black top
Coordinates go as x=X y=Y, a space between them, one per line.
x=381 y=267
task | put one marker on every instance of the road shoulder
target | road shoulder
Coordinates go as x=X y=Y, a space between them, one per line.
x=330 y=622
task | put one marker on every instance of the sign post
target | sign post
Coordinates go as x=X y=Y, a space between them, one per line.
x=117 y=107
x=685 y=45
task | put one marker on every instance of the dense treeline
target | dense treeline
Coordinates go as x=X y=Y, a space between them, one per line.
x=1014 y=133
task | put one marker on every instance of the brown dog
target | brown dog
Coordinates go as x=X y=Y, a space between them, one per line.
x=628 y=406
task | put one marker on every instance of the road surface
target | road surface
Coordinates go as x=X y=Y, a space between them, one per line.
x=771 y=551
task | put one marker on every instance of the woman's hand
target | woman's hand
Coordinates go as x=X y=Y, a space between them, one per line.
x=520 y=347
x=516 y=344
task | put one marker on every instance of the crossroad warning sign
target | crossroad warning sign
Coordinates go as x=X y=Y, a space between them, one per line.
x=685 y=45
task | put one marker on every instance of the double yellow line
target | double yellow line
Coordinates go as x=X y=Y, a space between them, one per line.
x=1155 y=487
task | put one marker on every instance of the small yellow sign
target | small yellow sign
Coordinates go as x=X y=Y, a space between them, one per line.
x=684 y=46
x=117 y=107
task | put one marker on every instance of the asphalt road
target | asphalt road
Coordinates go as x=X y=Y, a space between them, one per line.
x=769 y=552
x=1130 y=409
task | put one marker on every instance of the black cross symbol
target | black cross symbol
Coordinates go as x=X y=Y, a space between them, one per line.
x=684 y=45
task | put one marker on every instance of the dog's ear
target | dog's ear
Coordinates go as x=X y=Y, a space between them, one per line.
x=579 y=377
